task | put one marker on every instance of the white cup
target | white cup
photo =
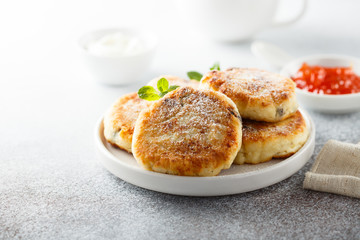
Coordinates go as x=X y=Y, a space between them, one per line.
x=232 y=20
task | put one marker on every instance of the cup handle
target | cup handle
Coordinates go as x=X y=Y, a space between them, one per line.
x=296 y=18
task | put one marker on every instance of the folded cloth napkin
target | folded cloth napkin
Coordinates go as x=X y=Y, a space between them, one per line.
x=336 y=170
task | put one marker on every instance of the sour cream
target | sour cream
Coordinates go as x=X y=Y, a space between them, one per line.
x=116 y=45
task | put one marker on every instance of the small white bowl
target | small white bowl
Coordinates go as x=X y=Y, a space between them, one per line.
x=121 y=70
x=344 y=103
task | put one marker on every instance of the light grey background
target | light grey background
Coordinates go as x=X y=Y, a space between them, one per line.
x=51 y=186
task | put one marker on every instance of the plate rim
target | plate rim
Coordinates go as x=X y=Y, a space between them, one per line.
x=102 y=149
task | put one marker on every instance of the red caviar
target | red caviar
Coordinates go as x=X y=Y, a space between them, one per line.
x=327 y=80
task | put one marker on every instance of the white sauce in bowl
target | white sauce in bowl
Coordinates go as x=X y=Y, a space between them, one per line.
x=116 y=45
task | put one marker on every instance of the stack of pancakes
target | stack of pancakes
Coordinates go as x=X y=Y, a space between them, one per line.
x=234 y=116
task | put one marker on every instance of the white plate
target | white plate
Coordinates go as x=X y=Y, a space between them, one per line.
x=237 y=179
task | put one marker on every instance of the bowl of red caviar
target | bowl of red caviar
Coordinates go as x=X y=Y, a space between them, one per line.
x=326 y=83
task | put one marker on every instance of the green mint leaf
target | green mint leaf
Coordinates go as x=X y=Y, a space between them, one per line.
x=172 y=88
x=216 y=66
x=163 y=93
x=148 y=93
x=162 y=85
x=195 y=75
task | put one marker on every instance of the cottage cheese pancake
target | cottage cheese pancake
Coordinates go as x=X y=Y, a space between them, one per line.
x=259 y=95
x=188 y=132
x=119 y=121
x=263 y=141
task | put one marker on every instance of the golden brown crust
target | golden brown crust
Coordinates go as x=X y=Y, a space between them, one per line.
x=258 y=94
x=263 y=141
x=119 y=122
x=255 y=131
x=188 y=132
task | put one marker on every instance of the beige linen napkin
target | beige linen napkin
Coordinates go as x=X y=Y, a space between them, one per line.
x=336 y=170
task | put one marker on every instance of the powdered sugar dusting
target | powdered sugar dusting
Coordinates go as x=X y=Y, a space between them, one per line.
x=258 y=94
x=194 y=128
x=261 y=84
